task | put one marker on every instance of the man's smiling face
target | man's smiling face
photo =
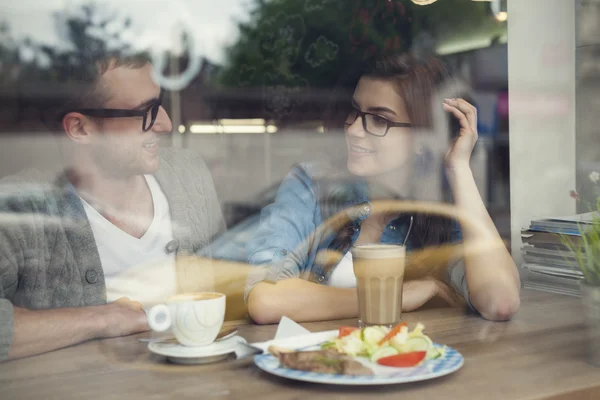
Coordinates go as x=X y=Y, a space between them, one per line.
x=120 y=145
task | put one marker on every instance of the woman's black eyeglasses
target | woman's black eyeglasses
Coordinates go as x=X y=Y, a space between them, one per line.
x=148 y=114
x=373 y=123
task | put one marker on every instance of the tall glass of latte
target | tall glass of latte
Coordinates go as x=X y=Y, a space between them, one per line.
x=379 y=270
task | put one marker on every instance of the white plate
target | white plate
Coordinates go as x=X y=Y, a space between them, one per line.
x=181 y=354
x=430 y=369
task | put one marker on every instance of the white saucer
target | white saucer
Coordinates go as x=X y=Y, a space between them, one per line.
x=181 y=354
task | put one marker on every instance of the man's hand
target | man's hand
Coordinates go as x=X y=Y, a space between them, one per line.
x=39 y=331
x=124 y=317
x=418 y=292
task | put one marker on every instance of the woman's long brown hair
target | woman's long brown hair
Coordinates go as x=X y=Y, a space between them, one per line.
x=416 y=80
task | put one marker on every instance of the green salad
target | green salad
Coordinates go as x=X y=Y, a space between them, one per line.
x=381 y=342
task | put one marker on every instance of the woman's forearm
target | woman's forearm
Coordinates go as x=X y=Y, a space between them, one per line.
x=305 y=301
x=492 y=275
x=301 y=301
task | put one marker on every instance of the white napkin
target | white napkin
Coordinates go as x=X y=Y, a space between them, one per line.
x=291 y=335
x=287 y=328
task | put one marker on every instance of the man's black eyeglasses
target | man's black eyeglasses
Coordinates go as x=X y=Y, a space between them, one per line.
x=148 y=114
x=373 y=123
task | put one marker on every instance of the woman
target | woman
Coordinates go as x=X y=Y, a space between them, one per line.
x=390 y=102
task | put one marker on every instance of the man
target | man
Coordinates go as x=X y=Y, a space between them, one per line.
x=122 y=203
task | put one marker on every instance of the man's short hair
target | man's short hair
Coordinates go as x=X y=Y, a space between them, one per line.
x=82 y=81
x=79 y=85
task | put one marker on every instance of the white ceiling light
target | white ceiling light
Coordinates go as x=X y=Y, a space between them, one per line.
x=233 y=126
x=423 y=2
x=502 y=16
x=252 y=121
x=499 y=9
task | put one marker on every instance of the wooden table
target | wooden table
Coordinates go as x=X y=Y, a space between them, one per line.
x=541 y=354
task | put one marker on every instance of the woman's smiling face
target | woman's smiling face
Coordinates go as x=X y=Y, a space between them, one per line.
x=370 y=155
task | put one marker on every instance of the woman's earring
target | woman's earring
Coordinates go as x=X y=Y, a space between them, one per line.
x=423 y=161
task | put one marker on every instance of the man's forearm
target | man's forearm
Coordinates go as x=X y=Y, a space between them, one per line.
x=300 y=300
x=40 y=331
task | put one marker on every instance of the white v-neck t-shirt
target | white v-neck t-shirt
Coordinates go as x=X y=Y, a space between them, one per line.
x=140 y=269
x=343 y=274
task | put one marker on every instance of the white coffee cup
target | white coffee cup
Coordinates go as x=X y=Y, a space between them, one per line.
x=195 y=318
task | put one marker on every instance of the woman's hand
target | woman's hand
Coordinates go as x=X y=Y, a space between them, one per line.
x=459 y=153
x=418 y=292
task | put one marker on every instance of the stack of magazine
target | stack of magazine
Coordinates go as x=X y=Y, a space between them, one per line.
x=550 y=264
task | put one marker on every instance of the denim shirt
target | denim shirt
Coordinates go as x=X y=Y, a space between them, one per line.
x=288 y=243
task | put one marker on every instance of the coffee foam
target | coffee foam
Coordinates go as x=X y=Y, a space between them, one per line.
x=376 y=250
x=195 y=297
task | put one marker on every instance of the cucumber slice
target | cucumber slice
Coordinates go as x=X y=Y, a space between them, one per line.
x=372 y=335
x=433 y=354
x=436 y=352
x=329 y=345
x=418 y=343
x=385 y=351
x=352 y=346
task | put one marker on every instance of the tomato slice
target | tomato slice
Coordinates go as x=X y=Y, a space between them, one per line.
x=405 y=360
x=346 y=330
x=395 y=330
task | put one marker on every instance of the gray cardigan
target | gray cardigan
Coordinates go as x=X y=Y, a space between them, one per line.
x=48 y=256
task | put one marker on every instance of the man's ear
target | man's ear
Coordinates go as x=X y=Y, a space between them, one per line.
x=77 y=127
